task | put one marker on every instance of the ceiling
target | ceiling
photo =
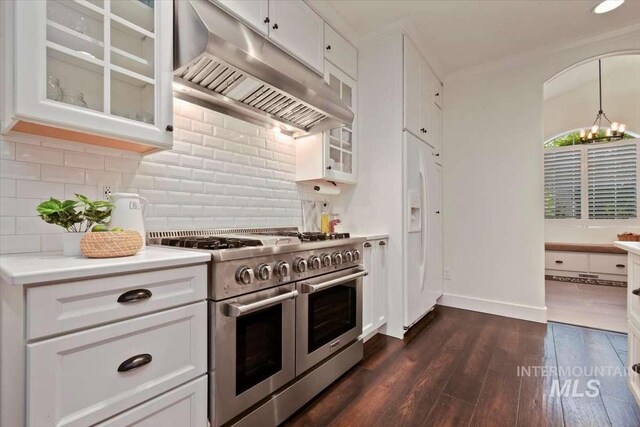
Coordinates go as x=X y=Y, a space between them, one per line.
x=466 y=33
x=623 y=66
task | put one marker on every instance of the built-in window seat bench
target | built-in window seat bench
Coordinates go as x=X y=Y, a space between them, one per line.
x=591 y=263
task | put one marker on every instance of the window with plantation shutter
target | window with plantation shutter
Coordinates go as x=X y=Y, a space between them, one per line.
x=612 y=180
x=562 y=185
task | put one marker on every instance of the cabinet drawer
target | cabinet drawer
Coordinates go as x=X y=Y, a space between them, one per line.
x=340 y=52
x=569 y=261
x=185 y=406
x=84 y=378
x=634 y=358
x=64 y=307
x=610 y=264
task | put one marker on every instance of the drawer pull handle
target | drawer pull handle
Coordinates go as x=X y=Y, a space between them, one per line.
x=636 y=291
x=636 y=368
x=135 y=362
x=367 y=245
x=620 y=265
x=135 y=295
x=559 y=262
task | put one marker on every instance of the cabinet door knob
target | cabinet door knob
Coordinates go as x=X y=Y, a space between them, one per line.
x=329 y=167
x=275 y=26
x=169 y=128
x=135 y=362
x=437 y=154
x=438 y=212
x=367 y=245
x=559 y=262
x=620 y=265
x=382 y=243
x=636 y=368
x=329 y=47
x=134 y=295
x=267 y=20
x=636 y=291
x=438 y=94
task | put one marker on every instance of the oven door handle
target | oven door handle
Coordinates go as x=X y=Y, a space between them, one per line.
x=236 y=310
x=307 y=288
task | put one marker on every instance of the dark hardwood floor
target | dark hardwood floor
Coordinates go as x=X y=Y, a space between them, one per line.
x=460 y=368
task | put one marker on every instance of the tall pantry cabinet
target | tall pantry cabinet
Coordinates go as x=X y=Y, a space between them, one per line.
x=398 y=95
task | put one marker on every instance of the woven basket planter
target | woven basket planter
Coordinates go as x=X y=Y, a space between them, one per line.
x=629 y=237
x=110 y=244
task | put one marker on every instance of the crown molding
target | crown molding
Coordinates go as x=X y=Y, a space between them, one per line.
x=544 y=53
x=406 y=26
x=335 y=21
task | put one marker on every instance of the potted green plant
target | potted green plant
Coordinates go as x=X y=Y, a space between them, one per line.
x=76 y=217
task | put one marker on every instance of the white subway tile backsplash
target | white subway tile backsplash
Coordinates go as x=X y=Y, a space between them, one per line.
x=54 y=173
x=18 y=207
x=7 y=187
x=38 y=154
x=93 y=177
x=20 y=170
x=38 y=189
x=115 y=164
x=222 y=172
x=90 y=191
x=20 y=244
x=7 y=225
x=7 y=150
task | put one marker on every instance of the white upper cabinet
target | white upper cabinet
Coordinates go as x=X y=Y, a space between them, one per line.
x=340 y=52
x=253 y=12
x=331 y=155
x=295 y=27
x=412 y=93
x=101 y=69
x=438 y=95
x=435 y=136
x=420 y=88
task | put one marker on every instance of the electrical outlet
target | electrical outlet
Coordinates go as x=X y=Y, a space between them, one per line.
x=447 y=274
x=106 y=192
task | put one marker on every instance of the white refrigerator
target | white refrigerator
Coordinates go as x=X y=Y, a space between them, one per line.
x=422 y=229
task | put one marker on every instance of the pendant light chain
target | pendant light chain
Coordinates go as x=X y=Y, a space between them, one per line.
x=614 y=132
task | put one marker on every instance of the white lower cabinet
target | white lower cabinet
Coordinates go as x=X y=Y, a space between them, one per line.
x=186 y=406
x=374 y=292
x=83 y=378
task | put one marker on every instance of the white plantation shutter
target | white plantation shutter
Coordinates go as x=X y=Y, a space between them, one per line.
x=612 y=181
x=562 y=187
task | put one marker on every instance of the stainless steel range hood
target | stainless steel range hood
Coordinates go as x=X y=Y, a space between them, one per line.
x=224 y=65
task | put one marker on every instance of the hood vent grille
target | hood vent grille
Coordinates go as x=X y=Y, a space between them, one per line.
x=214 y=75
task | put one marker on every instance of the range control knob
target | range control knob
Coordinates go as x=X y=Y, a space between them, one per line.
x=244 y=275
x=348 y=256
x=356 y=255
x=326 y=260
x=264 y=272
x=300 y=265
x=283 y=270
x=337 y=258
x=314 y=262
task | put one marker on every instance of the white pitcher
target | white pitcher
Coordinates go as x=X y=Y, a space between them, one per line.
x=128 y=212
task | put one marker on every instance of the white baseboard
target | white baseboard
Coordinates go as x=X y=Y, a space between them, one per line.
x=500 y=308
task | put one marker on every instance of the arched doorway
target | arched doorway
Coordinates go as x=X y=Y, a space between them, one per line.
x=592 y=190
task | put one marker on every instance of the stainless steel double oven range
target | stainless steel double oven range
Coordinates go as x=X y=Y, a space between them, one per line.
x=285 y=317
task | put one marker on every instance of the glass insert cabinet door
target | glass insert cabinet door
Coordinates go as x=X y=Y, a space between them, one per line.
x=79 y=62
x=340 y=143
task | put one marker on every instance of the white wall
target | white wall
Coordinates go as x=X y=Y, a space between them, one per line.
x=221 y=172
x=493 y=177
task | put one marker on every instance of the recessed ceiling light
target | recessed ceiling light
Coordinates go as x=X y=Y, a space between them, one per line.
x=607 y=6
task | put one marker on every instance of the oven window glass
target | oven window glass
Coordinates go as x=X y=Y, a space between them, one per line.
x=332 y=312
x=258 y=347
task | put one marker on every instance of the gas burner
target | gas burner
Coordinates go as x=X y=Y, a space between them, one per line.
x=210 y=242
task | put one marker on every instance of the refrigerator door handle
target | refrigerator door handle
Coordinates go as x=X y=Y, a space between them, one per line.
x=424 y=229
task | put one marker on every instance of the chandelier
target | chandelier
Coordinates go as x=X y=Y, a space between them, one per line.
x=597 y=133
